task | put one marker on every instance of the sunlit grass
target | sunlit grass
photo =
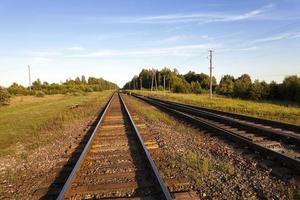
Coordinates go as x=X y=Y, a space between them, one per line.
x=149 y=112
x=267 y=110
x=28 y=119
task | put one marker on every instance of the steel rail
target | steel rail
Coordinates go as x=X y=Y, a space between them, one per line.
x=295 y=139
x=154 y=169
x=226 y=133
x=67 y=185
x=275 y=124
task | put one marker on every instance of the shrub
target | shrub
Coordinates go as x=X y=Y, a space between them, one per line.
x=88 y=89
x=39 y=94
x=16 y=89
x=196 y=87
x=4 y=96
x=180 y=85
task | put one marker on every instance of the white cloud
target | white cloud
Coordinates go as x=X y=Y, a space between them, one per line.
x=183 y=50
x=104 y=53
x=43 y=53
x=76 y=48
x=248 y=15
x=282 y=36
x=197 y=17
x=250 y=48
x=169 y=40
x=39 y=60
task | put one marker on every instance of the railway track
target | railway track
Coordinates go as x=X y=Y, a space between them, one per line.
x=115 y=162
x=274 y=139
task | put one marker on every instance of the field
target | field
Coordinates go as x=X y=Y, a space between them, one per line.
x=267 y=110
x=29 y=122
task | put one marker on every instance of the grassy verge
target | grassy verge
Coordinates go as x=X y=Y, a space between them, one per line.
x=267 y=110
x=29 y=121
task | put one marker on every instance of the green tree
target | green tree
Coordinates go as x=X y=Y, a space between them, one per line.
x=37 y=85
x=179 y=85
x=191 y=77
x=258 y=90
x=291 y=88
x=196 y=87
x=77 y=81
x=203 y=79
x=242 y=86
x=83 y=80
x=275 y=91
x=226 y=85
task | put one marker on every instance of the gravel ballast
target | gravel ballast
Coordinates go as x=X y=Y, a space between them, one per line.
x=217 y=168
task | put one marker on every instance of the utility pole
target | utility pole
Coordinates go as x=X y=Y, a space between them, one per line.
x=141 y=82
x=164 y=85
x=152 y=80
x=29 y=75
x=155 y=81
x=210 y=73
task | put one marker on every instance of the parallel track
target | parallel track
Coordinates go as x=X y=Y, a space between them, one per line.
x=115 y=162
x=281 y=141
x=257 y=121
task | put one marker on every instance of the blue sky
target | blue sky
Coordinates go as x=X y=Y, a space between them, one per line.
x=115 y=39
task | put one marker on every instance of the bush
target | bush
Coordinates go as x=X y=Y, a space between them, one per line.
x=196 y=87
x=180 y=85
x=88 y=89
x=39 y=94
x=16 y=89
x=4 y=96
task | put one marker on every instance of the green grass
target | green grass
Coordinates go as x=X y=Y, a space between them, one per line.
x=192 y=160
x=149 y=113
x=227 y=167
x=29 y=121
x=267 y=110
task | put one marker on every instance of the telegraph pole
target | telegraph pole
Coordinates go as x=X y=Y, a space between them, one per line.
x=152 y=81
x=155 y=82
x=210 y=73
x=164 y=85
x=141 y=83
x=29 y=76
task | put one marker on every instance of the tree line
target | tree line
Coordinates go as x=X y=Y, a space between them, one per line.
x=240 y=87
x=39 y=88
